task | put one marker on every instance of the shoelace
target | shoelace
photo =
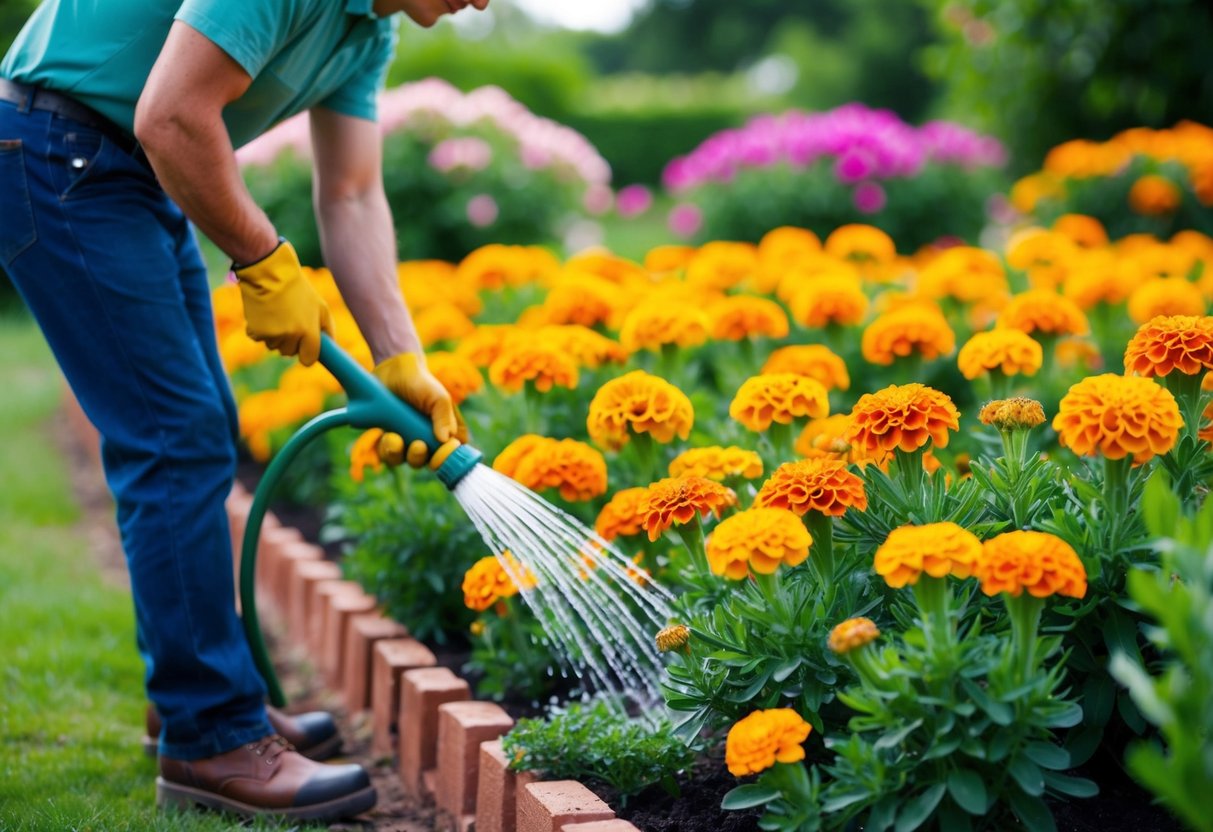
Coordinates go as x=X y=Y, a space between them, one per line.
x=271 y=747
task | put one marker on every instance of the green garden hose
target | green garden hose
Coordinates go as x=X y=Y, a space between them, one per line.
x=370 y=405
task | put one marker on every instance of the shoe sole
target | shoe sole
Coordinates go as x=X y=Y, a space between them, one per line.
x=176 y=796
x=319 y=752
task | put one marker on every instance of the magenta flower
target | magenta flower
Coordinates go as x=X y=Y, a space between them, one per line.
x=633 y=200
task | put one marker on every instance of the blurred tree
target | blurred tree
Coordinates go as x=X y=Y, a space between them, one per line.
x=13 y=14
x=1039 y=72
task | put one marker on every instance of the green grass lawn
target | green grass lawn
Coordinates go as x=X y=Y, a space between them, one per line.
x=71 y=694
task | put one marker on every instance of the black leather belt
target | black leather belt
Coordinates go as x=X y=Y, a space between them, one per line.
x=28 y=97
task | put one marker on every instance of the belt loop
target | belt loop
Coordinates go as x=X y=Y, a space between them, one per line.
x=27 y=99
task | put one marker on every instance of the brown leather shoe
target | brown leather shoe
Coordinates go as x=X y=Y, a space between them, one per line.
x=314 y=734
x=266 y=777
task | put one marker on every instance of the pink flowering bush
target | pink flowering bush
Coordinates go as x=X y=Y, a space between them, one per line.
x=461 y=170
x=850 y=164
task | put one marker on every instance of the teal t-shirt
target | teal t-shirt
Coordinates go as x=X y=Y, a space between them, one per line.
x=299 y=53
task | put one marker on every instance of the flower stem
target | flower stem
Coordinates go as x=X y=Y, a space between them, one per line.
x=821 y=554
x=932 y=596
x=1025 y=619
x=692 y=537
x=646 y=455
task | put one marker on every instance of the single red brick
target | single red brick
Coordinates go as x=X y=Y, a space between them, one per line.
x=545 y=807
x=325 y=592
x=389 y=659
x=279 y=547
x=422 y=692
x=364 y=631
x=341 y=609
x=462 y=726
x=305 y=574
x=496 y=789
x=616 y=825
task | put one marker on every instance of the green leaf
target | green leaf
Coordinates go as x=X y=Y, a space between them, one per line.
x=1032 y=812
x=997 y=711
x=1047 y=755
x=918 y=811
x=748 y=796
x=1072 y=786
x=1067 y=715
x=1159 y=506
x=892 y=739
x=786 y=669
x=968 y=790
x=1027 y=774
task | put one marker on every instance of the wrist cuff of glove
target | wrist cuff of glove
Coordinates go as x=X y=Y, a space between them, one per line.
x=239 y=267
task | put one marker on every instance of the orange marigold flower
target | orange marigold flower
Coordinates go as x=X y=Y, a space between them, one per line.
x=1177 y=342
x=1040 y=563
x=585 y=346
x=862 y=243
x=813 y=360
x=829 y=299
x=779 y=397
x=623 y=514
x=757 y=540
x=1165 y=296
x=1206 y=430
x=638 y=403
x=1100 y=277
x=904 y=417
x=457 y=374
x=365 y=454
x=965 y=273
x=764 y=738
x=511 y=455
x=1118 y=416
x=738 y=317
x=717 y=463
x=939 y=549
x=815 y=484
x=722 y=265
x=665 y=259
x=781 y=250
x=576 y=469
x=678 y=500
x=1009 y=351
x=1043 y=311
x=484 y=343
x=912 y=329
x=584 y=299
x=1087 y=232
x=487 y=581
x=237 y=350
x=1153 y=195
x=535 y=361
x=653 y=324
x=442 y=322
x=825 y=437
x=1017 y=413
x=496 y=266
x=853 y=634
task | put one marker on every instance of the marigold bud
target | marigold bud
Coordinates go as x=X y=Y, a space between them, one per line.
x=673 y=637
x=853 y=634
x=1016 y=413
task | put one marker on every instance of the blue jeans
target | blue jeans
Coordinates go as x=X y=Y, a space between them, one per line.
x=109 y=267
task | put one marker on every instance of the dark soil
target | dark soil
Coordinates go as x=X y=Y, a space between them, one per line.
x=696 y=810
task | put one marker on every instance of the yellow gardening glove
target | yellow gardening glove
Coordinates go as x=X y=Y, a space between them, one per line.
x=281 y=308
x=406 y=376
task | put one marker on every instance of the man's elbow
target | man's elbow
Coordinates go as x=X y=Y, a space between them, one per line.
x=158 y=124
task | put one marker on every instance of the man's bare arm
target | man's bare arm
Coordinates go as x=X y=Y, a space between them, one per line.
x=179 y=123
x=356 y=231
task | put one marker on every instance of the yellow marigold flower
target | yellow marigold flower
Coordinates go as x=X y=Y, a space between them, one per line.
x=717 y=463
x=829 y=299
x=1084 y=231
x=1027 y=193
x=1081 y=159
x=1118 y=416
x=782 y=250
x=825 y=437
x=779 y=397
x=1009 y=351
x=913 y=329
x=722 y=265
x=365 y=454
x=678 y=500
x=638 y=403
x=905 y=417
x=757 y=540
x=237 y=350
x=673 y=637
x=815 y=484
x=939 y=549
x=483 y=344
x=586 y=347
x=442 y=322
x=227 y=307
x=1154 y=258
x=1043 y=311
x=425 y=283
x=1101 y=277
x=266 y=411
x=860 y=242
x=652 y=325
x=1154 y=196
x=602 y=263
x=584 y=299
x=623 y=514
x=1045 y=255
x=1017 y=413
x=809 y=269
x=965 y=273
x=1040 y=563
x=738 y=317
x=457 y=374
x=667 y=259
x=487 y=581
x=534 y=361
x=578 y=471
x=816 y=361
x=764 y=738
x=853 y=634
x=496 y=266
x=1178 y=342
x=1165 y=296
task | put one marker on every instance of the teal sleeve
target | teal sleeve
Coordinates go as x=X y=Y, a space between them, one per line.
x=250 y=31
x=358 y=97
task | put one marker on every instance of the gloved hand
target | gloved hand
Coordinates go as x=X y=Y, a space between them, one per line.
x=406 y=376
x=281 y=308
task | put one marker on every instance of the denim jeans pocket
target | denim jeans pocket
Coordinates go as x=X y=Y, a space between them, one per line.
x=81 y=160
x=17 y=231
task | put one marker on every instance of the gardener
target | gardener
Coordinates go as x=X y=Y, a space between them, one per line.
x=118 y=120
